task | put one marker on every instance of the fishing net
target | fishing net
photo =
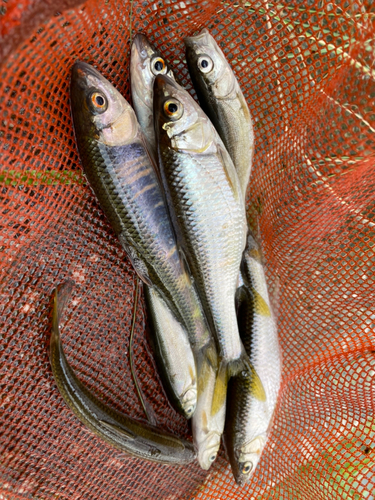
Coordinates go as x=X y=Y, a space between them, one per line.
x=307 y=71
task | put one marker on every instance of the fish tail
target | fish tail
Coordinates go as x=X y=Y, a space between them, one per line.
x=230 y=369
x=220 y=390
x=244 y=366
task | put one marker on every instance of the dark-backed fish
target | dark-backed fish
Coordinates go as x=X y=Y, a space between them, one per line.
x=123 y=176
x=222 y=100
x=248 y=419
x=124 y=433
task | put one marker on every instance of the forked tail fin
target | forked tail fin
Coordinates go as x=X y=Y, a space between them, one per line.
x=230 y=369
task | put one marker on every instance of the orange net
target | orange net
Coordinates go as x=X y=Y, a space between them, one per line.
x=307 y=71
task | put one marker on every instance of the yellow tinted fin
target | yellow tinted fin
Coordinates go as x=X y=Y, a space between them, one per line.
x=205 y=422
x=260 y=305
x=257 y=388
x=211 y=354
x=220 y=390
x=204 y=370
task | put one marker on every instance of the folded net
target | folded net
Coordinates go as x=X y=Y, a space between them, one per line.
x=307 y=70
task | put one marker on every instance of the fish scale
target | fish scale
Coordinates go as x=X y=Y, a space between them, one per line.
x=107 y=169
x=213 y=236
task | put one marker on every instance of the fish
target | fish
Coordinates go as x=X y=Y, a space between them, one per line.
x=145 y=63
x=221 y=98
x=208 y=427
x=138 y=439
x=249 y=420
x=206 y=205
x=123 y=176
x=173 y=354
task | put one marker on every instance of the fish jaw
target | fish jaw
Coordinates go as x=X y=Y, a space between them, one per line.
x=114 y=123
x=247 y=458
x=207 y=450
x=194 y=120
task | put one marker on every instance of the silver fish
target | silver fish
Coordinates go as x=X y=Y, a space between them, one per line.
x=123 y=176
x=248 y=418
x=124 y=433
x=173 y=354
x=222 y=100
x=206 y=203
x=146 y=62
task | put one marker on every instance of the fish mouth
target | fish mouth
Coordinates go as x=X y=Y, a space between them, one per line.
x=190 y=41
x=82 y=72
x=144 y=48
x=162 y=82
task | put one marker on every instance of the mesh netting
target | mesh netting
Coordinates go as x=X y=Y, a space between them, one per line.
x=307 y=71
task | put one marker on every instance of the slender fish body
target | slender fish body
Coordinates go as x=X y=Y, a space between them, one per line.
x=172 y=350
x=205 y=199
x=124 y=433
x=248 y=419
x=173 y=354
x=146 y=62
x=222 y=100
x=123 y=176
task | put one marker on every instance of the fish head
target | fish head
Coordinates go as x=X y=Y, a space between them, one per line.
x=189 y=401
x=99 y=110
x=180 y=123
x=209 y=67
x=247 y=458
x=146 y=62
x=207 y=445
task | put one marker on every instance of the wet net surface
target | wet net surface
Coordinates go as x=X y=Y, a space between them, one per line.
x=307 y=70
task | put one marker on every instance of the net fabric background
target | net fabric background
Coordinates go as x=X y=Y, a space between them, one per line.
x=307 y=70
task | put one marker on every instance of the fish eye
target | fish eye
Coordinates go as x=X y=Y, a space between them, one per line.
x=158 y=66
x=190 y=410
x=205 y=63
x=99 y=101
x=213 y=458
x=173 y=109
x=246 y=467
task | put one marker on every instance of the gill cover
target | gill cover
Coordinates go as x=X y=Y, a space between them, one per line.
x=208 y=65
x=185 y=124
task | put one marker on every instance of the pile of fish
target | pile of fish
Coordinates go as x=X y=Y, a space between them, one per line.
x=171 y=177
